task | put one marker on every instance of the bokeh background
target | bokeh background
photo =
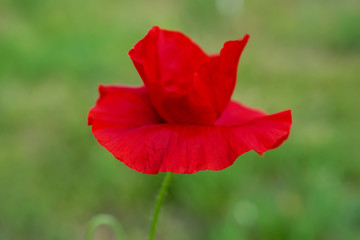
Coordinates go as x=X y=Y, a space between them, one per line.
x=54 y=176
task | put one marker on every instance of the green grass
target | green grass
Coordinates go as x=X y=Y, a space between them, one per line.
x=54 y=176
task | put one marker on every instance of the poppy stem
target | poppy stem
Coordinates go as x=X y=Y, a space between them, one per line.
x=160 y=200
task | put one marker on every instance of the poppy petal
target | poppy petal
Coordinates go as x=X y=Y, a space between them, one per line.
x=236 y=114
x=186 y=85
x=265 y=133
x=166 y=62
x=215 y=79
x=125 y=123
x=124 y=106
x=168 y=58
x=258 y=130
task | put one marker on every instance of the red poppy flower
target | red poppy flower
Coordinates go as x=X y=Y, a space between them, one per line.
x=182 y=120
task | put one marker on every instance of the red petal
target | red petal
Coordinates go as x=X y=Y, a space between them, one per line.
x=215 y=79
x=238 y=114
x=259 y=131
x=124 y=122
x=167 y=61
x=124 y=106
x=185 y=85
x=164 y=147
x=168 y=58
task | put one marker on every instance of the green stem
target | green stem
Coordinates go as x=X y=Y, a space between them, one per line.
x=103 y=219
x=159 y=203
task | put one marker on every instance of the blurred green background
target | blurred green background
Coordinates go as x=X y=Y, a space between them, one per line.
x=54 y=176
